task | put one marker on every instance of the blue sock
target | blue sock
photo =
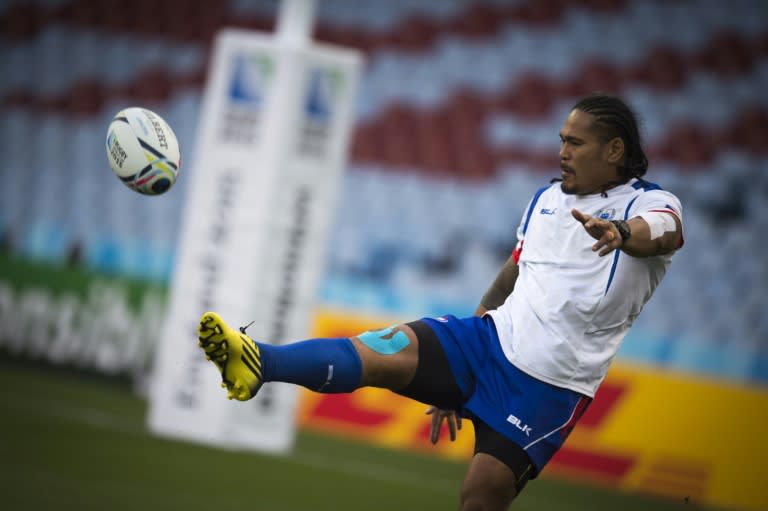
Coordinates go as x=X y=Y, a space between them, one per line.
x=323 y=365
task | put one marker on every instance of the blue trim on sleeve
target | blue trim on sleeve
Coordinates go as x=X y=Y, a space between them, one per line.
x=645 y=185
x=618 y=252
x=533 y=204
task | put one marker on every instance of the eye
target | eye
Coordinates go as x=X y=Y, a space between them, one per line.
x=571 y=141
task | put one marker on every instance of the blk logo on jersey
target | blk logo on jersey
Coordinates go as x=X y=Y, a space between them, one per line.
x=548 y=211
x=525 y=428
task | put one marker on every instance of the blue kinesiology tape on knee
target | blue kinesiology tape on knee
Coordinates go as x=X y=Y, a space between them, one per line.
x=322 y=365
x=384 y=341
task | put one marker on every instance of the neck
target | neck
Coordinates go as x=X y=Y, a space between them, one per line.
x=603 y=188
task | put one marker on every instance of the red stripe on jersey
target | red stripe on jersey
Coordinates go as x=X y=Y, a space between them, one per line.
x=517 y=251
x=664 y=211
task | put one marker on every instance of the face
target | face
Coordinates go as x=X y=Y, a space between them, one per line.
x=586 y=161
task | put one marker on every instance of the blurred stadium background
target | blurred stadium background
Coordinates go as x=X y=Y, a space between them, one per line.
x=456 y=126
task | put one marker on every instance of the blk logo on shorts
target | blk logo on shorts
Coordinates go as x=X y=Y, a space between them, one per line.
x=525 y=428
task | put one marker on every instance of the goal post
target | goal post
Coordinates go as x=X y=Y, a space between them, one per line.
x=272 y=144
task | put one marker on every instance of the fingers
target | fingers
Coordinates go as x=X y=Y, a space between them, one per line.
x=451 y=419
x=438 y=415
x=596 y=227
x=607 y=243
x=578 y=215
x=608 y=238
x=437 y=422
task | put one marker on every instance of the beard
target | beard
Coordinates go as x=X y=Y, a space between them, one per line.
x=567 y=188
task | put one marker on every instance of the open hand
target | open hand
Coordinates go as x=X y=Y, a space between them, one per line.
x=606 y=234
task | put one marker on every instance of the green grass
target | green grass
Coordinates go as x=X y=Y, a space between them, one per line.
x=69 y=441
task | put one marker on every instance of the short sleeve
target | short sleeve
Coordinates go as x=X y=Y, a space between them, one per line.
x=659 y=201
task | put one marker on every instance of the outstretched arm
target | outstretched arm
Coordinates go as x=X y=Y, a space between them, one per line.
x=640 y=242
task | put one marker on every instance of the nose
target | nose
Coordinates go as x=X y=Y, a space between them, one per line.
x=564 y=152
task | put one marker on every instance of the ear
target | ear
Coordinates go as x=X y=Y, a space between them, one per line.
x=615 y=150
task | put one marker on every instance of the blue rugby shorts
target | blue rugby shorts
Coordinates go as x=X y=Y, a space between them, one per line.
x=533 y=414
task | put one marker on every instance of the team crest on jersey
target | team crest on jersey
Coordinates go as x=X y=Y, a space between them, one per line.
x=606 y=214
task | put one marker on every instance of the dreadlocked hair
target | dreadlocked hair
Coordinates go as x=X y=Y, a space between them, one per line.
x=614 y=118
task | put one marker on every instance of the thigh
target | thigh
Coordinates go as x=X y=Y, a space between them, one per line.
x=389 y=356
x=489 y=484
x=409 y=359
x=497 y=472
x=433 y=382
x=505 y=452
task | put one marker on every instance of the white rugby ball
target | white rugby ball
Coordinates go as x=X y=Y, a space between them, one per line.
x=143 y=151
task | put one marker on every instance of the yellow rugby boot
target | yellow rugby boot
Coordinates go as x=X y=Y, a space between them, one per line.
x=235 y=354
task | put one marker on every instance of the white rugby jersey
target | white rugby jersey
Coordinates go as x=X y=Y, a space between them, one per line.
x=570 y=308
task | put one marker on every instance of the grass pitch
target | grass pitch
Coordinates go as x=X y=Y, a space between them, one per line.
x=69 y=441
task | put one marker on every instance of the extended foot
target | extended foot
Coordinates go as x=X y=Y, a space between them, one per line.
x=234 y=353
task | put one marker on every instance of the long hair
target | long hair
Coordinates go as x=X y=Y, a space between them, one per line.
x=614 y=118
